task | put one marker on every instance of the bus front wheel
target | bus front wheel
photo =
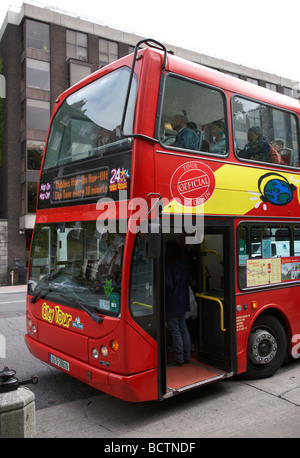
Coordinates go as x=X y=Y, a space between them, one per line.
x=267 y=346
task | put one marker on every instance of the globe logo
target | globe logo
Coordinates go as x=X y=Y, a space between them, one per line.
x=277 y=191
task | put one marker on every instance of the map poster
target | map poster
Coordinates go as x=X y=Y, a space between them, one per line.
x=272 y=270
x=263 y=271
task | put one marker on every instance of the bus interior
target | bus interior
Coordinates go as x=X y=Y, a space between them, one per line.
x=209 y=315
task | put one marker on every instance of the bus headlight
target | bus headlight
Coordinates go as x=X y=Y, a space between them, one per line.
x=104 y=351
x=31 y=327
x=95 y=353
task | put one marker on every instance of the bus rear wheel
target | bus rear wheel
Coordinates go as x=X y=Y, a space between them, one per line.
x=266 y=349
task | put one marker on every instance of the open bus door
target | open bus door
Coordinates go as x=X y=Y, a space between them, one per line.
x=212 y=330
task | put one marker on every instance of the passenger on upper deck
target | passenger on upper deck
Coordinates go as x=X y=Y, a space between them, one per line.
x=186 y=137
x=278 y=144
x=258 y=149
x=218 y=146
x=285 y=154
x=107 y=136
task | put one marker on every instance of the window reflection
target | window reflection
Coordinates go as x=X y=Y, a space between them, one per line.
x=77 y=72
x=193 y=117
x=77 y=45
x=37 y=114
x=32 y=193
x=38 y=74
x=142 y=287
x=108 y=51
x=75 y=259
x=141 y=280
x=268 y=254
x=265 y=134
x=34 y=154
x=88 y=122
x=37 y=35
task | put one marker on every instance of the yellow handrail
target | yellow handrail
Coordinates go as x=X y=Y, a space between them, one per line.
x=142 y=304
x=215 y=299
x=216 y=253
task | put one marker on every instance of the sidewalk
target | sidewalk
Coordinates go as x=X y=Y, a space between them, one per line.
x=13 y=289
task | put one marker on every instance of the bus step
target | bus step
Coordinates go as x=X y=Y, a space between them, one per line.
x=188 y=377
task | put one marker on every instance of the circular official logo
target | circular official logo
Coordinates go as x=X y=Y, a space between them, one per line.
x=192 y=184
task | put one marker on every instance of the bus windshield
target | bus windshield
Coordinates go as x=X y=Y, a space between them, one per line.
x=88 y=121
x=73 y=261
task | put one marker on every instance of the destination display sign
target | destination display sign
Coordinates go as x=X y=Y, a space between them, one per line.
x=86 y=185
x=85 y=182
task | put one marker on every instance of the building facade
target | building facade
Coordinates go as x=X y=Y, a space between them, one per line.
x=43 y=51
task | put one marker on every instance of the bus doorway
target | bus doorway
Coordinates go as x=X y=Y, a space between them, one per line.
x=211 y=264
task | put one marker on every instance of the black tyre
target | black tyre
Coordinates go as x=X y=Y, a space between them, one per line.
x=266 y=349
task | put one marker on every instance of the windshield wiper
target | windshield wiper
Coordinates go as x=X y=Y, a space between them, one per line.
x=94 y=316
x=40 y=293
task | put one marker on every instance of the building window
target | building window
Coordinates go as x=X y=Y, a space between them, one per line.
x=28 y=197
x=23 y=157
x=23 y=198
x=32 y=190
x=38 y=74
x=271 y=86
x=252 y=80
x=108 y=51
x=77 y=45
x=235 y=75
x=37 y=35
x=37 y=114
x=77 y=72
x=34 y=154
x=288 y=91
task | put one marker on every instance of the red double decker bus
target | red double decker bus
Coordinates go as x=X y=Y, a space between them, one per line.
x=152 y=149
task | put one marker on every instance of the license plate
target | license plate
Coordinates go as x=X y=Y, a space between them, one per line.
x=59 y=362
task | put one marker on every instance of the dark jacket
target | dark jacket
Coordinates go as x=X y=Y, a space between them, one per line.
x=177 y=280
x=187 y=138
